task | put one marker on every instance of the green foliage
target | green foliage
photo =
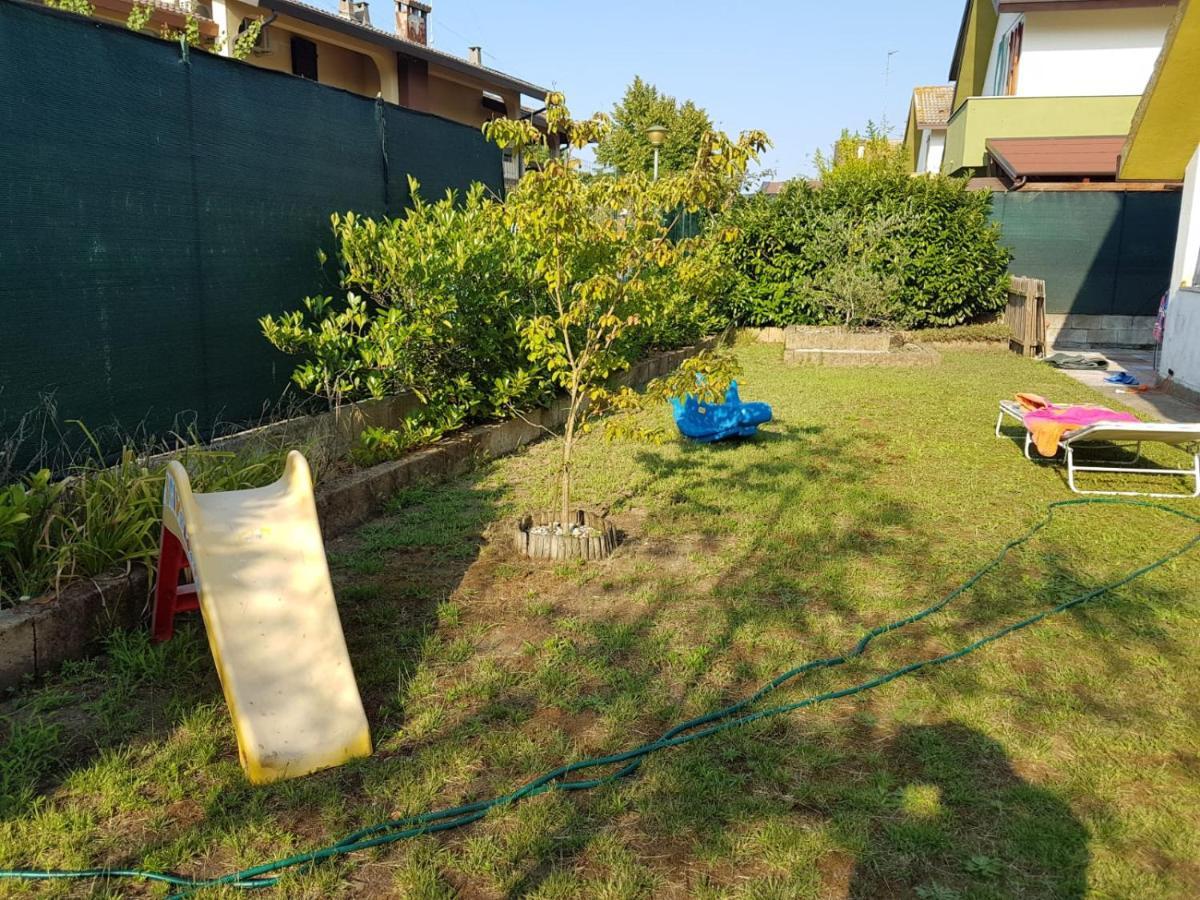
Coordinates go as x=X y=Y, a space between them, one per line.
x=927 y=241
x=983 y=866
x=100 y=517
x=79 y=7
x=993 y=330
x=140 y=15
x=626 y=149
x=431 y=305
x=854 y=288
x=603 y=257
x=858 y=148
x=243 y=44
x=27 y=532
x=190 y=34
x=376 y=445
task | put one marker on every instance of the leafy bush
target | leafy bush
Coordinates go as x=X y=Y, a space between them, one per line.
x=450 y=301
x=941 y=257
x=376 y=445
x=431 y=306
x=27 y=532
x=605 y=259
x=990 y=331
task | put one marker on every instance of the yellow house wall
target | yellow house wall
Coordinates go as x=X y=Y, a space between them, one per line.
x=342 y=62
x=1166 y=126
x=972 y=66
x=353 y=65
x=912 y=139
x=456 y=101
x=1001 y=117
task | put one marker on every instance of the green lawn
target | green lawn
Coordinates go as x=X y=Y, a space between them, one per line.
x=1062 y=762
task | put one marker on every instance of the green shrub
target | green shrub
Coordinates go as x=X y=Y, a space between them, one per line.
x=441 y=301
x=990 y=331
x=943 y=252
x=426 y=425
x=431 y=303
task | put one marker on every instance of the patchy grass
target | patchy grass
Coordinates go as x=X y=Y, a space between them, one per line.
x=1061 y=762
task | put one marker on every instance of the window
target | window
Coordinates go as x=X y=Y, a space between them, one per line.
x=1008 y=60
x=304 y=58
x=1014 y=58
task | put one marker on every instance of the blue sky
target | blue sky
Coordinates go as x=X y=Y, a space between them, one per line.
x=800 y=70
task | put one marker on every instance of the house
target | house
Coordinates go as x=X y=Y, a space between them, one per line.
x=345 y=50
x=1044 y=94
x=1046 y=89
x=925 y=132
x=1164 y=143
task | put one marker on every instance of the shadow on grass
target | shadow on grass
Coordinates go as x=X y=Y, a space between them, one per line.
x=961 y=818
x=142 y=704
x=930 y=806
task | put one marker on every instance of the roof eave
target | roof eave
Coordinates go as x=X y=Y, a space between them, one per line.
x=334 y=22
x=961 y=42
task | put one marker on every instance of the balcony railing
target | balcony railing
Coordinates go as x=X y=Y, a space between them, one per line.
x=980 y=118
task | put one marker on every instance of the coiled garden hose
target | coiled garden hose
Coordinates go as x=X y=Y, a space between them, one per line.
x=628 y=761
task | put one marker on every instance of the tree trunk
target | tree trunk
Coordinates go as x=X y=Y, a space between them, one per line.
x=568 y=448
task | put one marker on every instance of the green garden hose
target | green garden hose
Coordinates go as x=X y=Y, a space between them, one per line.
x=266 y=874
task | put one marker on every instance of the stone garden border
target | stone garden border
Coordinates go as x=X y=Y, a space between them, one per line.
x=39 y=635
x=836 y=346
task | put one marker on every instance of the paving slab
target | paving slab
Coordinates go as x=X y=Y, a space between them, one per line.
x=1157 y=405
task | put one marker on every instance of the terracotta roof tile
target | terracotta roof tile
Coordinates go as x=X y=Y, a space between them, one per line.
x=933 y=104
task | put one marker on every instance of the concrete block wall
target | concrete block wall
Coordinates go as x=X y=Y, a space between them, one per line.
x=1079 y=332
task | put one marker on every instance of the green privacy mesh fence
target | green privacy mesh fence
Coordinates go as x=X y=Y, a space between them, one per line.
x=153 y=207
x=1100 y=252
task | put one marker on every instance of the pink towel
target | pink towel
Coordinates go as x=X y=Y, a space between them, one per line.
x=1050 y=423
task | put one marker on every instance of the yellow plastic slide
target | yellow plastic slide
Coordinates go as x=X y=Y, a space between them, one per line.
x=263 y=584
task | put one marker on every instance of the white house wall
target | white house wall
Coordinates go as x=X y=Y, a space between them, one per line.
x=1081 y=53
x=1097 y=52
x=1181 y=345
x=929 y=153
x=923 y=152
x=937 y=146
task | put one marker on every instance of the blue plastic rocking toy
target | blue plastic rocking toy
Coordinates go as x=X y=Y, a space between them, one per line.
x=709 y=422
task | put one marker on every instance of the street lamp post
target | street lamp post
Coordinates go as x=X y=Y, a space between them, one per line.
x=657 y=134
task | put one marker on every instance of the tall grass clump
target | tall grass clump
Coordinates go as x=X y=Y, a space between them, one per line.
x=97 y=517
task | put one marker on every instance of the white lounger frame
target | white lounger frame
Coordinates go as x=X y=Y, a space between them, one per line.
x=1185 y=437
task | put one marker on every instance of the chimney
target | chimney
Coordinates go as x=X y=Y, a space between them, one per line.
x=475 y=55
x=355 y=11
x=412 y=21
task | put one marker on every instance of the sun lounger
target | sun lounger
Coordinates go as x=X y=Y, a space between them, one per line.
x=1109 y=435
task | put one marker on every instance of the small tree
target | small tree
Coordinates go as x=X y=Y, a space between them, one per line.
x=624 y=147
x=858 y=285
x=861 y=147
x=603 y=255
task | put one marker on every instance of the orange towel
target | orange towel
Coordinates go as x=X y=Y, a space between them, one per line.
x=1046 y=435
x=1033 y=401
